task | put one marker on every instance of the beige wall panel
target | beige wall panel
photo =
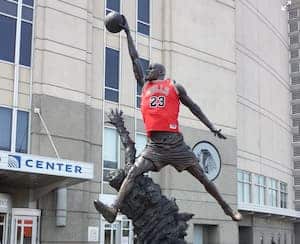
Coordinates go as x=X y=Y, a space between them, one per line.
x=98 y=8
x=64 y=72
x=248 y=77
x=24 y=88
x=129 y=10
x=97 y=64
x=156 y=15
x=204 y=29
x=7 y=70
x=112 y=40
x=24 y=101
x=66 y=29
x=211 y=87
x=25 y=74
x=6 y=97
x=6 y=84
x=248 y=121
x=127 y=78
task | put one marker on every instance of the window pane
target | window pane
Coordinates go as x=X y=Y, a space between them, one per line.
x=28 y=2
x=5 y=128
x=138 y=102
x=247 y=193
x=144 y=29
x=294 y=39
x=144 y=10
x=111 y=95
x=240 y=192
x=112 y=68
x=27 y=13
x=294 y=53
x=22 y=132
x=113 y=5
x=8 y=38
x=293 y=26
x=256 y=195
x=240 y=175
x=8 y=7
x=110 y=164
x=106 y=174
x=140 y=143
x=25 y=48
x=110 y=145
x=247 y=177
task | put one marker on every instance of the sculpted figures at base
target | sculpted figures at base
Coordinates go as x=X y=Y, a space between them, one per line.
x=160 y=103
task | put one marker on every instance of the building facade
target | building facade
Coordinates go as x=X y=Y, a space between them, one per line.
x=61 y=71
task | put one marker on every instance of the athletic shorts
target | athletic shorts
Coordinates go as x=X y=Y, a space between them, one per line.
x=167 y=148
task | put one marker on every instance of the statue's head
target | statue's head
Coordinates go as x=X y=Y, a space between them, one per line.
x=155 y=71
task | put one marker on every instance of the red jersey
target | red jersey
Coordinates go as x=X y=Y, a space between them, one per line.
x=160 y=106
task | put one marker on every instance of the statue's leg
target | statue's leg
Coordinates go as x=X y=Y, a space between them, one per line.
x=140 y=166
x=211 y=188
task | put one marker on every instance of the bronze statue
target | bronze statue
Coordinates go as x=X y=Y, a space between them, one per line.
x=165 y=145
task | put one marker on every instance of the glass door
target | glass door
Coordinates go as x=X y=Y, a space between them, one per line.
x=119 y=232
x=24 y=230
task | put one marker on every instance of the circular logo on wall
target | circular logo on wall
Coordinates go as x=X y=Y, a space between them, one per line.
x=209 y=159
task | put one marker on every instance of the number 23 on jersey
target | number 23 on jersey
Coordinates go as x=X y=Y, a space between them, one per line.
x=157 y=101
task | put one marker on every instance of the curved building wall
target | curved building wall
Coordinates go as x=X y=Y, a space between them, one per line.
x=264 y=125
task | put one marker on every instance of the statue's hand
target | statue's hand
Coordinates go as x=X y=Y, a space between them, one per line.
x=124 y=25
x=115 y=117
x=218 y=134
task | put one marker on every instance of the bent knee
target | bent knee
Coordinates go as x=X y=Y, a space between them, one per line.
x=133 y=173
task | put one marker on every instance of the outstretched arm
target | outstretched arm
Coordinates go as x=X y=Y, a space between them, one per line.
x=137 y=67
x=195 y=109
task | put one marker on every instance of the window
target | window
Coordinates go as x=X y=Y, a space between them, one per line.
x=112 y=5
x=22 y=132
x=112 y=75
x=6 y=129
x=110 y=152
x=144 y=17
x=140 y=142
x=8 y=31
x=295 y=53
x=294 y=67
x=259 y=189
x=294 y=39
x=283 y=195
x=145 y=65
x=295 y=80
x=293 y=14
x=273 y=192
x=244 y=186
x=293 y=26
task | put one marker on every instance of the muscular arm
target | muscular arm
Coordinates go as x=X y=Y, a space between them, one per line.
x=195 y=109
x=137 y=67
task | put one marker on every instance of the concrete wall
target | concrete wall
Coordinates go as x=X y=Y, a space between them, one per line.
x=264 y=123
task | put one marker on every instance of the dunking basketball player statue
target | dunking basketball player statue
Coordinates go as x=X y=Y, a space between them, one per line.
x=160 y=103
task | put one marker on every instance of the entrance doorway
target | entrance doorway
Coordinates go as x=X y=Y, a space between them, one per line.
x=119 y=232
x=25 y=226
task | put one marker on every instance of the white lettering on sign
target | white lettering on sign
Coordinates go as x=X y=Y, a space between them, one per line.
x=44 y=165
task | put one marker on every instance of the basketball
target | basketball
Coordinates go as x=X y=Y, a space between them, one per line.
x=113 y=21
